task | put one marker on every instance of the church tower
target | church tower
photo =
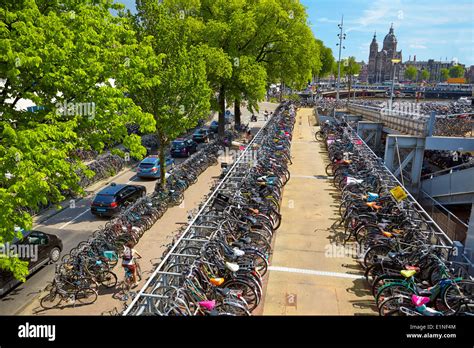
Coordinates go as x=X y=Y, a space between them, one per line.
x=372 y=68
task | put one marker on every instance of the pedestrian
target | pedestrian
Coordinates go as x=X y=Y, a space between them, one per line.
x=249 y=135
x=129 y=260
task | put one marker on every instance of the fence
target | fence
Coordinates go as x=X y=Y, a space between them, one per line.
x=401 y=122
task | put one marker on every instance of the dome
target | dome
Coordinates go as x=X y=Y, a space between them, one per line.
x=389 y=38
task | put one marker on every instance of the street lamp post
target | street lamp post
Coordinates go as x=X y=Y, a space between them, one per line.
x=341 y=36
x=381 y=64
x=394 y=62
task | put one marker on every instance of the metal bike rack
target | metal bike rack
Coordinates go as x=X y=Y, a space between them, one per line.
x=195 y=235
x=446 y=242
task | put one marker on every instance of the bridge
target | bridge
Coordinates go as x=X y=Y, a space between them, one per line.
x=447 y=92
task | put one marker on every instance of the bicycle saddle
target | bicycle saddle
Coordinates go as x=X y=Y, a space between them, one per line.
x=209 y=305
x=217 y=281
x=419 y=300
x=372 y=196
x=373 y=205
x=233 y=267
x=238 y=252
x=408 y=273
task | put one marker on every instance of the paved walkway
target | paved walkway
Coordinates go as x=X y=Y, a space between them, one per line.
x=311 y=273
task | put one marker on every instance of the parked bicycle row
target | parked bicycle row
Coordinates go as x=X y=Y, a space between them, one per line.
x=89 y=265
x=217 y=265
x=408 y=262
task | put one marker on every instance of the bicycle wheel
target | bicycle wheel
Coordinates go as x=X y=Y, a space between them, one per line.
x=51 y=300
x=319 y=136
x=246 y=290
x=391 y=305
x=259 y=260
x=108 y=279
x=383 y=280
x=228 y=308
x=374 y=253
x=459 y=296
x=85 y=296
x=392 y=289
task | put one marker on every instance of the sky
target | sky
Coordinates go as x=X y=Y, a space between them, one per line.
x=429 y=29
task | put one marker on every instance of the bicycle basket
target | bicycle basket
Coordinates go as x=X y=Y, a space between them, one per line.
x=220 y=202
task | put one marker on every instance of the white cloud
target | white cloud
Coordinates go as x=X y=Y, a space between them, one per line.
x=418 y=46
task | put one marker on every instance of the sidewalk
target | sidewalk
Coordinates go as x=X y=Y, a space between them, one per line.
x=150 y=246
x=309 y=272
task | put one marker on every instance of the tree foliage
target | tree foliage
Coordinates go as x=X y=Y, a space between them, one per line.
x=55 y=55
x=425 y=75
x=411 y=73
x=444 y=74
x=456 y=71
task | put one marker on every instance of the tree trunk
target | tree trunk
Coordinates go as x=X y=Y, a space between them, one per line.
x=237 y=111
x=221 y=128
x=163 y=145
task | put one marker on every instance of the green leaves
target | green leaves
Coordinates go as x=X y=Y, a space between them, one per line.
x=411 y=73
x=456 y=71
x=62 y=56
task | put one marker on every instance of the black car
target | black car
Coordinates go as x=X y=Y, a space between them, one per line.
x=183 y=148
x=114 y=197
x=37 y=247
x=201 y=135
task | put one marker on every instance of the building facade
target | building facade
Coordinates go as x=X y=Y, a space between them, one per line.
x=380 y=67
x=433 y=67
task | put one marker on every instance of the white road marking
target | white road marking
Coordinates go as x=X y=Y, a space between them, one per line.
x=313 y=272
x=78 y=216
x=315 y=177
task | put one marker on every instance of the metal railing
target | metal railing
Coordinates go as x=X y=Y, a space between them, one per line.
x=450 y=223
x=444 y=239
x=409 y=123
x=197 y=232
x=448 y=170
x=410 y=200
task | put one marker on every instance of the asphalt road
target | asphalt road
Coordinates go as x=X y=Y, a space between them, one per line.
x=73 y=225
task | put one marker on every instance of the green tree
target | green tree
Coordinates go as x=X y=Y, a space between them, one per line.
x=425 y=75
x=54 y=53
x=170 y=82
x=456 y=71
x=267 y=40
x=351 y=68
x=327 y=59
x=444 y=74
x=411 y=73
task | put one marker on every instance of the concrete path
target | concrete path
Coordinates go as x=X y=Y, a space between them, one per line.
x=311 y=273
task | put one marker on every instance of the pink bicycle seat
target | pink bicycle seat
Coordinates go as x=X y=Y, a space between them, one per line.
x=419 y=300
x=209 y=305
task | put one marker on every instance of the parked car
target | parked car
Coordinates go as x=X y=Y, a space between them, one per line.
x=150 y=167
x=214 y=127
x=201 y=135
x=114 y=197
x=183 y=147
x=38 y=248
